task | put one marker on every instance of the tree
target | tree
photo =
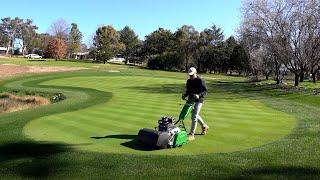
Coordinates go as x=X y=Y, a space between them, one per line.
x=159 y=41
x=287 y=28
x=60 y=29
x=239 y=59
x=27 y=35
x=74 y=40
x=157 y=47
x=210 y=37
x=131 y=41
x=230 y=63
x=214 y=58
x=187 y=39
x=11 y=29
x=107 y=43
x=4 y=39
x=166 y=61
x=314 y=54
x=261 y=57
x=42 y=41
x=56 y=48
x=139 y=55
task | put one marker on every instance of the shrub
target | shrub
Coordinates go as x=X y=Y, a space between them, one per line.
x=166 y=61
x=57 y=97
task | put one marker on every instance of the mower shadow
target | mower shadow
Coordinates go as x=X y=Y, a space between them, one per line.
x=132 y=144
x=136 y=145
x=118 y=136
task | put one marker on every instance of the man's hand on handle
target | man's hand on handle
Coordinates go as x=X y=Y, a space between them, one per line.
x=184 y=97
x=196 y=96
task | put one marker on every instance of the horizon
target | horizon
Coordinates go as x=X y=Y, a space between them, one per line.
x=142 y=16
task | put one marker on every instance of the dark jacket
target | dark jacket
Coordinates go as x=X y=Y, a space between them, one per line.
x=196 y=86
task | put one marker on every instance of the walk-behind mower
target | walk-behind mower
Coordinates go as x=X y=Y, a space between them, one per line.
x=169 y=133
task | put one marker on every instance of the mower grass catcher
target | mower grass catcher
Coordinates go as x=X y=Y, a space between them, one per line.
x=168 y=134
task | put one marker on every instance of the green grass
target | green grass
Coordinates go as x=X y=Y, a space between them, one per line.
x=256 y=131
x=139 y=101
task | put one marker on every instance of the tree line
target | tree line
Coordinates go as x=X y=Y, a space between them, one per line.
x=61 y=41
x=166 y=50
x=161 y=49
x=275 y=38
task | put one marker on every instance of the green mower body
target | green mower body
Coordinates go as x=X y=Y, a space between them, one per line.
x=180 y=139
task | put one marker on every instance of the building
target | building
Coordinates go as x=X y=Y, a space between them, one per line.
x=3 y=50
x=81 y=55
x=117 y=59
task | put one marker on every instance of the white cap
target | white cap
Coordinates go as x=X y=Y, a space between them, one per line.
x=192 y=71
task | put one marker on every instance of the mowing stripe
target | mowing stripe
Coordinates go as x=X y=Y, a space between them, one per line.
x=236 y=122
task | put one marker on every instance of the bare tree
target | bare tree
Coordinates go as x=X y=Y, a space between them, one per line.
x=287 y=28
x=60 y=29
x=312 y=39
x=314 y=55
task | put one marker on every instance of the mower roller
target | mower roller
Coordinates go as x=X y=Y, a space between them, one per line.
x=169 y=133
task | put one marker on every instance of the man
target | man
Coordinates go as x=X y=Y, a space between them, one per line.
x=195 y=91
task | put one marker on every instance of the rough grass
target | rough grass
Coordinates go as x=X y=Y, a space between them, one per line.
x=62 y=63
x=11 y=103
x=294 y=156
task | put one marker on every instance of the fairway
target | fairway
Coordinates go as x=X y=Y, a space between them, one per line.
x=137 y=101
x=92 y=132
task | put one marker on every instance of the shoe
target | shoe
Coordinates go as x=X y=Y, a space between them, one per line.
x=204 y=130
x=191 y=137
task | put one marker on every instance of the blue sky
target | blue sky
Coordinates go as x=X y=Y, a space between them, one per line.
x=144 y=16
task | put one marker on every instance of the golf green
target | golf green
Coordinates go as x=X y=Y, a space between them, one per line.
x=236 y=122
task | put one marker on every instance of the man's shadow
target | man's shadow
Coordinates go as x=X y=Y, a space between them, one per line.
x=133 y=142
